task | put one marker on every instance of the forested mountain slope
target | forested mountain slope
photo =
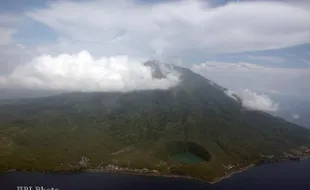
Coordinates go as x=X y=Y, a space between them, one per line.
x=192 y=129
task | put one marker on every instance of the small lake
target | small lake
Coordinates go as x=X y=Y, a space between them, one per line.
x=284 y=175
x=187 y=158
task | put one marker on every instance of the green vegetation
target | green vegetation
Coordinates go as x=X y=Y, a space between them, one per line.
x=192 y=129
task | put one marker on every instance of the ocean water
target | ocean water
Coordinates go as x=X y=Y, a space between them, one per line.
x=284 y=175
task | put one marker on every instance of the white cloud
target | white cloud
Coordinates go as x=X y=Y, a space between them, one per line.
x=295 y=116
x=255 y=101
x=161 y=30
x=174 y=27
x=238 y=76
x=231 y=94
x=81 y=72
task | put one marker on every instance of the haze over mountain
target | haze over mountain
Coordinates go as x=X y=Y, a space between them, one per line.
x=294 y=109
x=193 y=128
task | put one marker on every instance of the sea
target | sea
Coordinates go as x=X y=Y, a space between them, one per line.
x=286 y=175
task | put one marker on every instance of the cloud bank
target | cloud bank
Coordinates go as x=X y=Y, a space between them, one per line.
x=160 y=30
x=83 y=73
x=254 y=101
x=153 y=29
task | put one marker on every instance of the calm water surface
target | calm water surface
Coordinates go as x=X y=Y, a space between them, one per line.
x=285 y=176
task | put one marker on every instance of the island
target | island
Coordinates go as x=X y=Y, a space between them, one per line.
x=193 y=130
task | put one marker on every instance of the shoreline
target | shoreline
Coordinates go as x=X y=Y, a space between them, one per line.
x=149 y=174
x=228 y=175
x=213 y=181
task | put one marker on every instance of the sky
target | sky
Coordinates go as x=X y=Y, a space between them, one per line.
x=254 y=48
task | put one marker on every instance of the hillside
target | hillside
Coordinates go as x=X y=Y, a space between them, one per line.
x=192 y=129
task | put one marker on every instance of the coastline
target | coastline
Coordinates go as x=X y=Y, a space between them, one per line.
x=213 y=181
x=148 y=174
x=228 y=175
